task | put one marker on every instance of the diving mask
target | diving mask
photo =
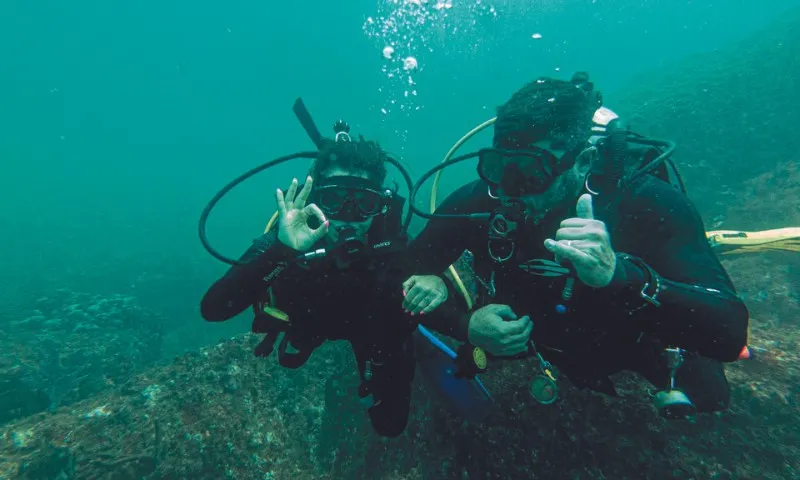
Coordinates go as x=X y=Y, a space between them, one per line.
x=517 y=172
x=349 y=199
x=526 y=159
x=521 y=172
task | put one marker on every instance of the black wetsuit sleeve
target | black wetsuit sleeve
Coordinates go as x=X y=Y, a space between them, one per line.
x=442 y=241
x=440 y=244
x=242 y=285
x=696 y=306
x=445 y=318
x=452 y=317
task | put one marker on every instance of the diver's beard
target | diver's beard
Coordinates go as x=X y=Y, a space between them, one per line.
x=558 y=199
x=534 y=219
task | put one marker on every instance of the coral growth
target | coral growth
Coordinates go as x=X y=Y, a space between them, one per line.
x=223 y=414
x=215 y=414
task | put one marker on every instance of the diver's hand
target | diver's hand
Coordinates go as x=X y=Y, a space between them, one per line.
x=584 y=242
x=497 y=330
x=423 y=293
x=293 y=219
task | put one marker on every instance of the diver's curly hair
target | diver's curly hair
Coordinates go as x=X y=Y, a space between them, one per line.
x=361 y=156
x=547 y=105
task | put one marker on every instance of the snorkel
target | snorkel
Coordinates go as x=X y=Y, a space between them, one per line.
x=304 y=117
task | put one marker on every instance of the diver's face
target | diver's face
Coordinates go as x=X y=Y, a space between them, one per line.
x=337 y=226
x=565 y=187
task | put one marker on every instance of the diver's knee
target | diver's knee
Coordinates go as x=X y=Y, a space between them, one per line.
x=704 y=382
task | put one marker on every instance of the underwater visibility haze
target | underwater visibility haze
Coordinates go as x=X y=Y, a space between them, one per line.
x=119 y=121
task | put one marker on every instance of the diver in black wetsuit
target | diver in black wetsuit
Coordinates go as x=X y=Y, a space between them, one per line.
x=591 y=268
x=327 y=271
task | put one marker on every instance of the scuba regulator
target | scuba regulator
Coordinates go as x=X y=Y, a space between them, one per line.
x=348 y=248
x=505 y=224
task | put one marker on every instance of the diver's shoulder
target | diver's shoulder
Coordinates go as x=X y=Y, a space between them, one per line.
x=655 y=196
x=472 y=194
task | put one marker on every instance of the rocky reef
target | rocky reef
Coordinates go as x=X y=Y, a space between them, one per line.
x=75 y=409
x=220 y=413
x=733 y=113
x=71 y=346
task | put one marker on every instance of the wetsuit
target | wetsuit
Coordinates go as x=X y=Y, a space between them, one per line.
x=660 y=242
x=361 y=304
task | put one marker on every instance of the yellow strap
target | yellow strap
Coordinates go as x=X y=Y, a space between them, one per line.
x=461 y=287
x=269 y=309
x=276 y=313
x=449 y=155
x=271 y=222
x=435 y=190
x=735 y=241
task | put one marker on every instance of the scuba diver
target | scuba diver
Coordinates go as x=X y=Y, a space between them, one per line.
x=327 y=269
x=587 y=254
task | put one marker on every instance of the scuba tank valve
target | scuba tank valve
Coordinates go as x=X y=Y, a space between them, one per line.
x=671 y=402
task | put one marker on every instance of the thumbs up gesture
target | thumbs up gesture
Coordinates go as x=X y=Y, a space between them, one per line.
x=584 y=242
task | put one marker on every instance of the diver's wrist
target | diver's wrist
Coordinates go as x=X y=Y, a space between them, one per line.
x=462 y=332
x=278 y=252
x=637 y=279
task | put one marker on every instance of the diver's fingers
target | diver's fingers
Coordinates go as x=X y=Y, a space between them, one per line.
x=504 y=312
x=517 y=327
x=280 y=202
x=319 y=232
x=570 y=233
x=563 y=250
x=585 y=207
x=414 y=289
x=410 y=282
x=428 y=303
x=423 y=303
x=575 y=223
x=416 y=298
x=314 y=210
x=413 y=297
x=526 y=332
x=432 y=303
x=509 y=346
x=290 y=193
x=517 y=346
x=302 y=197
x=518 y=342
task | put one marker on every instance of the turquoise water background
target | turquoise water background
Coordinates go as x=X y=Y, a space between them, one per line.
x=119 y=120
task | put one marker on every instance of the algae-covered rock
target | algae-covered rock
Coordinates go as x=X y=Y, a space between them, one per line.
x=71 y=347
x=733 y=112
